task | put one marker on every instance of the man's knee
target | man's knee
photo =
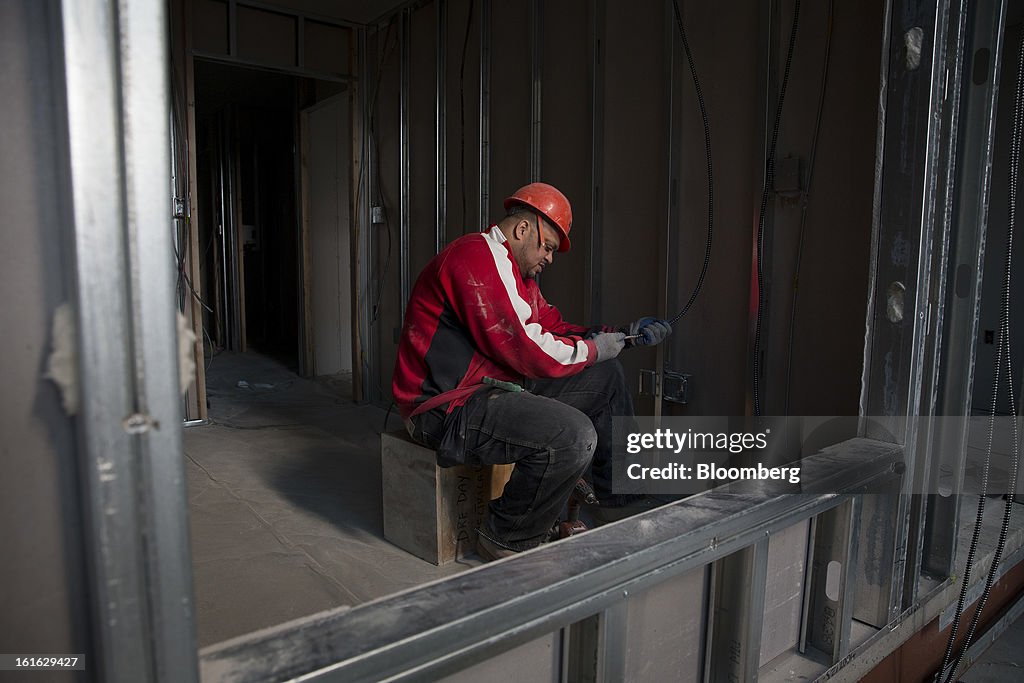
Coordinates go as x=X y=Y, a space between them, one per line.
x=580 y=440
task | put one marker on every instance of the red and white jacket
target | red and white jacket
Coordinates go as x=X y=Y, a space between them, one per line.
x=472 y=315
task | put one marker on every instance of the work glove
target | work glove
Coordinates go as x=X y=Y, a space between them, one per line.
x=652 y=331
x=608 y=345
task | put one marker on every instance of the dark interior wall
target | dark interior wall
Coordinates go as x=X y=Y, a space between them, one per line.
x=633 y=182
x=566 y=149
x=511 y=77
x=828 y=329
x=423 y=135
x=629 y=186
x=462 y=86
x=710 y=343
x=566 y=144
x=714 y=342
x=43 y=602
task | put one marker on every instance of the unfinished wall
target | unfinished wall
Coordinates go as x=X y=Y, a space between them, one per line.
x=566 y=149
x=715 y=341
x=632 y=192
x=831 y=302
x=614 y=106
x=42 y=605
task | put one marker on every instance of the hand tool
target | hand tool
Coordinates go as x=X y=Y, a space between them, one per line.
x=500 y=384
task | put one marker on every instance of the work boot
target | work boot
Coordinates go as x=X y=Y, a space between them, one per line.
x=489 y=550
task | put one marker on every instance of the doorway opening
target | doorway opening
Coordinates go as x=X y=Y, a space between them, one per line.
x=273 y=167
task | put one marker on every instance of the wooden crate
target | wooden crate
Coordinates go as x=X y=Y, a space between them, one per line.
x=433 y=512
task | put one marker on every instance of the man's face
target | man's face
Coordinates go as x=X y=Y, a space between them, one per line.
x=535 y=254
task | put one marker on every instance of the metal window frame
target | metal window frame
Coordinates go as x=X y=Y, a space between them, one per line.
x=913 y=178
x=954 y=366
x=424 y=634
x=115 y=63
x=734 y=632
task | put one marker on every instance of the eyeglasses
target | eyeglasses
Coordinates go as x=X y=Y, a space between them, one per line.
x=541 y=242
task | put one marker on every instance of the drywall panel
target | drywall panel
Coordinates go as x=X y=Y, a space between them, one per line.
x=633 y=180
x=328 y=160
x=665 y=630
x=43 y=608
x=566 y=137
x=534 y=662
x=784 y=590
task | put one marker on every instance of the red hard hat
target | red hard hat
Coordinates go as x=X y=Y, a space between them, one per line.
x=550 y=203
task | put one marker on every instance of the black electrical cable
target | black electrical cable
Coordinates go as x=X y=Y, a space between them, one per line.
x=806 y=195
x=462 y=113
x=181 y=237
x=387 y=226
x=1003 y=347
x=183 y=274
x=768 y=176
x=707 y=150
x=375 y=150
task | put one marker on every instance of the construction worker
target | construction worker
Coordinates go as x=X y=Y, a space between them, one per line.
x=489 y=373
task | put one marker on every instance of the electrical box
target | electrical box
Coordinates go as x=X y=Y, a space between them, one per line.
x=676 y=387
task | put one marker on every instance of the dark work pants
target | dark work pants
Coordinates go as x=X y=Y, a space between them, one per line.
x=552 y=432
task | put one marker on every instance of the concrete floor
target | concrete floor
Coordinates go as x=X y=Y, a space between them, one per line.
x=284 y=501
